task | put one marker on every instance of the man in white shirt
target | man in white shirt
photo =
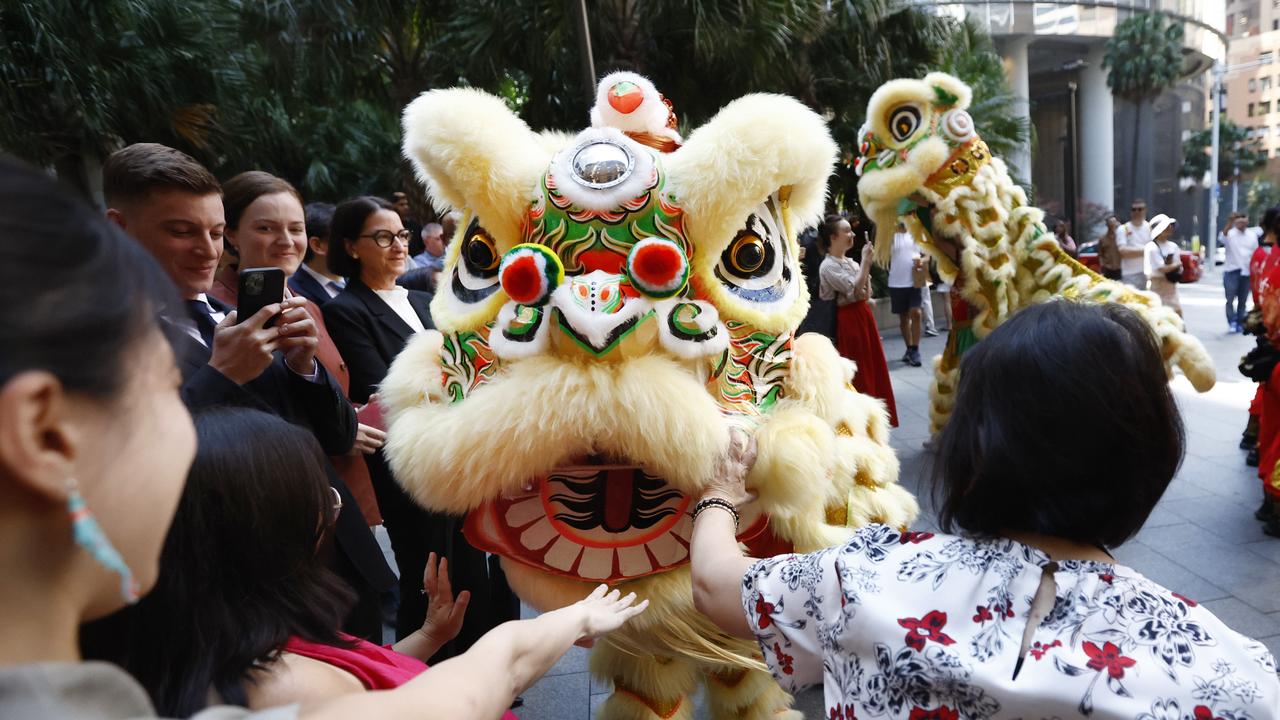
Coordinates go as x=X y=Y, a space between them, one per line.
x=904 y=297
x=1132 y=239
x=1238 y=241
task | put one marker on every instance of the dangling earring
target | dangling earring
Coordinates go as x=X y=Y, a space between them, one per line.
x=88 y=534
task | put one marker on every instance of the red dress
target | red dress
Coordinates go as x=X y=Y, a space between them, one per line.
x=1266 y=286
x=377 y=668
x=857 y=337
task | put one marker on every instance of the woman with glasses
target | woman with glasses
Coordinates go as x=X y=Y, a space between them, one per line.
x=371 y=320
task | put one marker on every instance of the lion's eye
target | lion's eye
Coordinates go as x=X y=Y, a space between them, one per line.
x=475 y=275
x=480 y=254
x=904 y=121
x=747 y=254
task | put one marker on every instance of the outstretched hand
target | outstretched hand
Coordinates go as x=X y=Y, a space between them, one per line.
x=444 y=612
x=605 y=610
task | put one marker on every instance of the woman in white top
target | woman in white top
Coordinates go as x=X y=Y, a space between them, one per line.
x=849 y=284
x=1022 y=612
x=1162 y=256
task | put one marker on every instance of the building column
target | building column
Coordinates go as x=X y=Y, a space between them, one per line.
x=1097 y=132
x=1016 y=70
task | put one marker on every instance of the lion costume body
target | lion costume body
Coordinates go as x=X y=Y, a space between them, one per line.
x=611 y=305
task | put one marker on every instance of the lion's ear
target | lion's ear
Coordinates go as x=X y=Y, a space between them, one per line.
x=472 y=152
x=949 y=92
x=757 y=146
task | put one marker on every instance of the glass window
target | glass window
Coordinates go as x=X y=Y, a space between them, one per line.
x=1264 y=84
x=1253 y=85
x=1250 y=109
x=1264 y=107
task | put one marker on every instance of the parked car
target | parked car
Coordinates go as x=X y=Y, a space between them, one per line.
x=1190 y=261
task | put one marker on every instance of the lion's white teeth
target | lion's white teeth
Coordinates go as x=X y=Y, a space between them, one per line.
x=539 y=534
x=597 y=563
x=562 y=554
x=524 y=512
x=633 y=561
x=666 y=550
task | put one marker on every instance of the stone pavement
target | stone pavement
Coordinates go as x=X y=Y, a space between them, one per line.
x=1201 y=540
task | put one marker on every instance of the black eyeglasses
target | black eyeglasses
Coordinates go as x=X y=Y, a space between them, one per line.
x=1137 y=209
x=384 y=238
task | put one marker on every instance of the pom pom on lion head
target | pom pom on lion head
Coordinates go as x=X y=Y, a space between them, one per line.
x=613 y=302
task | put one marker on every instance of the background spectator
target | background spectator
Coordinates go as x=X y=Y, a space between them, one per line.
x=1132 y=239
x=904 y=293
x=1109 y=261
x=848 y=284
x=400 y=203
x=1065 y=241
x=313 y=280
x=1239 y=241
x=1163 y=257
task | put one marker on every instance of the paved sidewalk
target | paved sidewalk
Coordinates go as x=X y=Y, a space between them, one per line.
x=1201 y=541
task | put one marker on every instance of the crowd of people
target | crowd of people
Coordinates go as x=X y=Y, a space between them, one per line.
x=187 y=496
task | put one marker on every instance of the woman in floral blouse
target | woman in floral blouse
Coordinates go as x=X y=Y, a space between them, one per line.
x=1022 y=613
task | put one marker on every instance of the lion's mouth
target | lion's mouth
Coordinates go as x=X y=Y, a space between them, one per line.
x=594 y=520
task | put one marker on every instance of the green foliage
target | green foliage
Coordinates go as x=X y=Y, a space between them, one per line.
x=1236 y=151
x=311 y=90
x=1261 y=194
x=970 y=55
x=1144 y=57
x=78 y=77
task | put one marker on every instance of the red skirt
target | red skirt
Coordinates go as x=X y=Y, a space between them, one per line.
x=858 y=339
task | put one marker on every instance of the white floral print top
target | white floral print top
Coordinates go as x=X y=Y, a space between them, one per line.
x=920 y=626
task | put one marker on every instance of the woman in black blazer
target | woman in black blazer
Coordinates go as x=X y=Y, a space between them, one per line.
x=370 y=322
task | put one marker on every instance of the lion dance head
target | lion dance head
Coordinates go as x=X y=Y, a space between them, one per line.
x=612 y=304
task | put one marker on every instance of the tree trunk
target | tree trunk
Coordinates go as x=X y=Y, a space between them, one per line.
x=1134 y=191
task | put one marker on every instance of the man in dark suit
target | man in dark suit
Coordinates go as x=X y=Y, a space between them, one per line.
x=173 y=207
x=313 y=280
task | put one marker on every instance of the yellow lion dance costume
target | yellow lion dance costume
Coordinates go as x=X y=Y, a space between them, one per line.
x=613 y=302
x=921 y=160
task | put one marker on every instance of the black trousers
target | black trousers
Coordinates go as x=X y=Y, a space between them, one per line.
x=416 y=532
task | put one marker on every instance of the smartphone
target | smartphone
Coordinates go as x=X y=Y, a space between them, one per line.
x=259 y=287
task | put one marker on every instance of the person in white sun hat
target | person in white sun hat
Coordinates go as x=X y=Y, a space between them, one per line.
x=1162 y=260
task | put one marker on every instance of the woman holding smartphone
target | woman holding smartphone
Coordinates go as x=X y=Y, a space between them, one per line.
x=266 y=228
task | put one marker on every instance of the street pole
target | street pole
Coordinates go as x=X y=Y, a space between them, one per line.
x=584 y=45
x=1216 y=96
x=1072 y=177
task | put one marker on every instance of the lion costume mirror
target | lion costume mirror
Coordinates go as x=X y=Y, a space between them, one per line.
x=613 y=302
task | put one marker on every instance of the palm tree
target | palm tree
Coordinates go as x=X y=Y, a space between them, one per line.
x=1145 y=59
x=80 y=77
x=1238 y=152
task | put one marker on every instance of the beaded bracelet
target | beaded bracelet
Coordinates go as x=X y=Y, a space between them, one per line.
x=720 y=503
